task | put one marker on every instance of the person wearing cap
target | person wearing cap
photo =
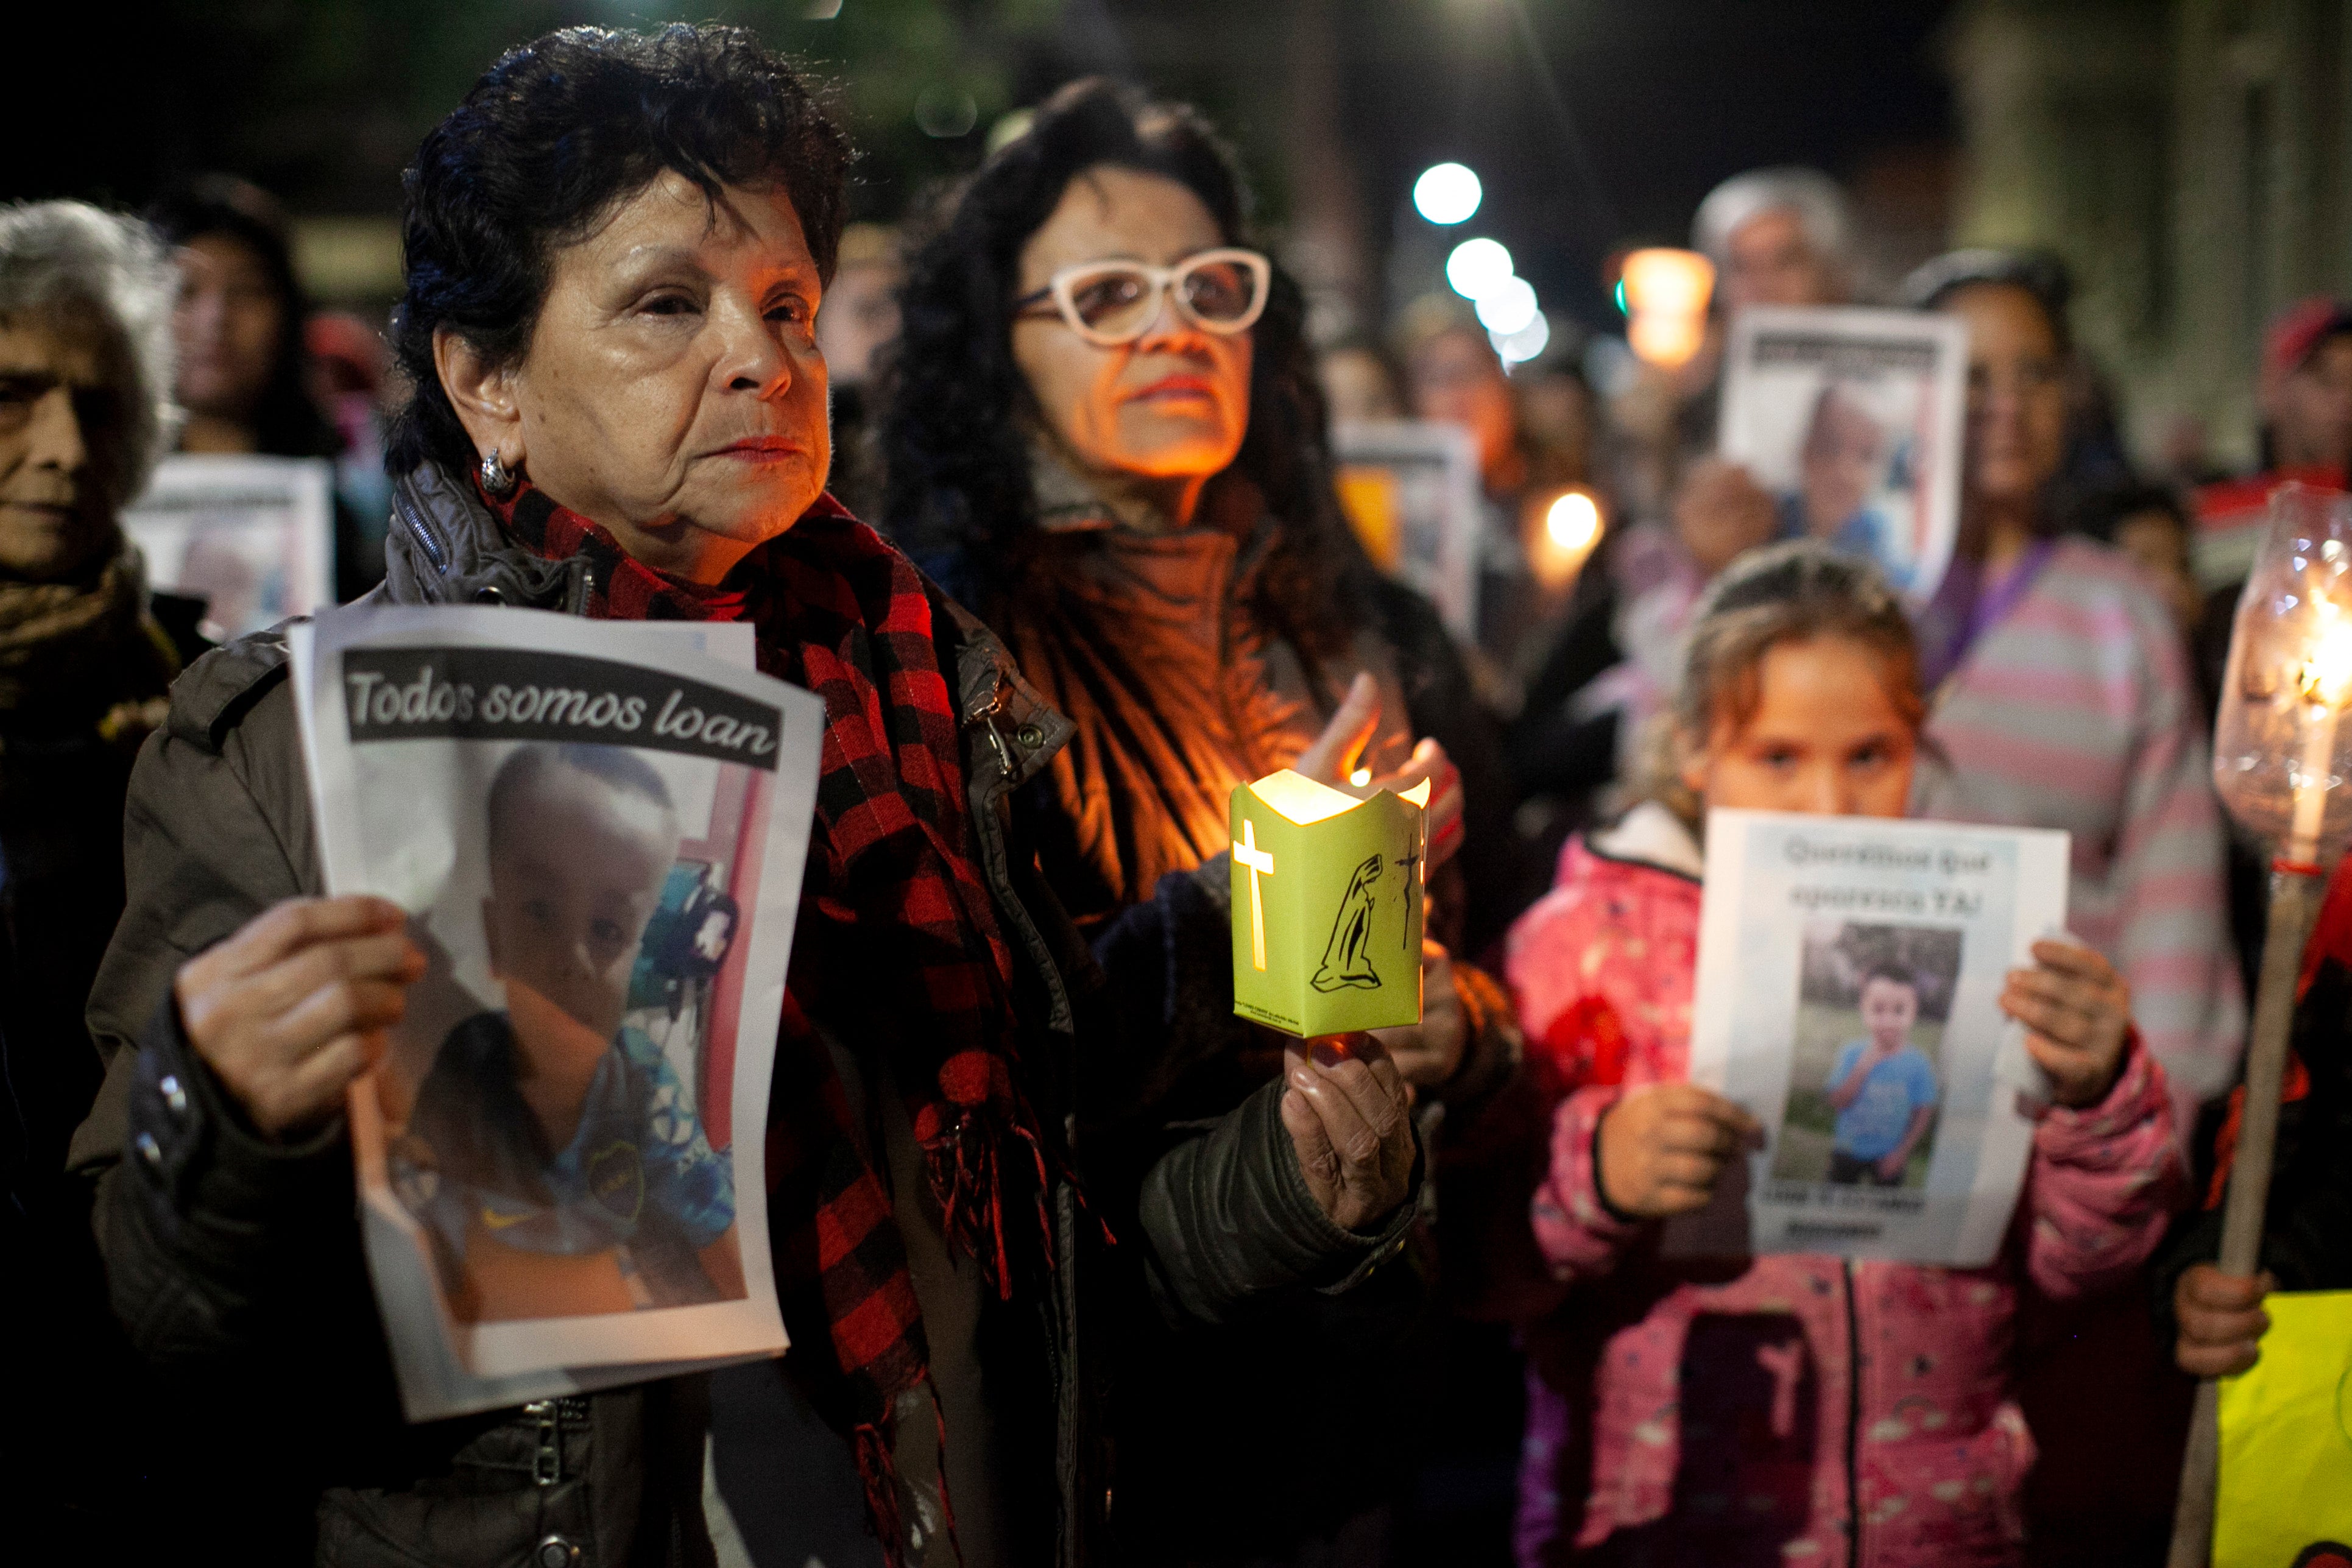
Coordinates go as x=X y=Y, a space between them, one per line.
x=2305 y=398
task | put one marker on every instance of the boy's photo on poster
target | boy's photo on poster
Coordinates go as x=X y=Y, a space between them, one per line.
x=1866 y=1079
x=556 y=1118
x=1850 y=419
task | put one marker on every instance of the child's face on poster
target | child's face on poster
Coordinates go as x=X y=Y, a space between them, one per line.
x=1889 y=1008
x=1843 y=453
x=575 y=875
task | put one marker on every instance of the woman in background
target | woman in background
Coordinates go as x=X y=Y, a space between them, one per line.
x=2062 y=698
x=245 y=374
x=1103 y=429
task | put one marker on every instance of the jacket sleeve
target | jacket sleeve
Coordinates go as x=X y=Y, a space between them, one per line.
x=1577 y=1233
x=2105 y=1181
x=201 y=1222
x=1223 y=1210
x=2307 y=1221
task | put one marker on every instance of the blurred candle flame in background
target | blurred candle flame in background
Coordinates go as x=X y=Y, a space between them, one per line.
x=1667 y=293
x=1568 y=525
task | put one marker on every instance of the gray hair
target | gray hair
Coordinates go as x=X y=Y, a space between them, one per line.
x=1811 y=197
x=69 y=264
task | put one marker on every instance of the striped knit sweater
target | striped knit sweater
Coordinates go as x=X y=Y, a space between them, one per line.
x=2075 y=710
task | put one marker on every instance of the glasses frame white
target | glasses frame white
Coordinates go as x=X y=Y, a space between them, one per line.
x=1063 y=291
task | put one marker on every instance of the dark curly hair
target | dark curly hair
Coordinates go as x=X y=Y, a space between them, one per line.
x=549 y=141
x=956 y=407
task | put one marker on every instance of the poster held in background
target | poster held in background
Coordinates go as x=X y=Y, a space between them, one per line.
x=1853 y=420
x=599 y=831
x=1411 y=490
x=252 y=537
x=1850 y=972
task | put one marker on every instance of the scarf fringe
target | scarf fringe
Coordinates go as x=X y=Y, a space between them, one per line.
x=966 y=1175
x=877 y=1474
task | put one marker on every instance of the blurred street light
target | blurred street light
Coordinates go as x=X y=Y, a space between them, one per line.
x=1477 y=267
x=1446 y=193
x=1507 y=307
x=1666 y=294
x=1518 y=348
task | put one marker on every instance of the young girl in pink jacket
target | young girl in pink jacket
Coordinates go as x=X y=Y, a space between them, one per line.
x=1787 y=1409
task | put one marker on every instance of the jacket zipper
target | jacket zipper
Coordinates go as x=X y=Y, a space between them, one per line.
x=1852 y=1420
x=417 y=526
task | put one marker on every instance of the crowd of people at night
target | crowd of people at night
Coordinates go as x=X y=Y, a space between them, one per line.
x=1037 y=491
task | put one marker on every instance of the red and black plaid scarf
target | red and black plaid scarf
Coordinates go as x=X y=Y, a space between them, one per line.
x=897 y=951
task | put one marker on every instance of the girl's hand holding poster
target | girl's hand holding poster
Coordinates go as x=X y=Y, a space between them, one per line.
x=1850 y=973
x=598 y=830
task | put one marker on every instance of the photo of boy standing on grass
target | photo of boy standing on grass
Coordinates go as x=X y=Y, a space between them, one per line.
x=1883 y=1087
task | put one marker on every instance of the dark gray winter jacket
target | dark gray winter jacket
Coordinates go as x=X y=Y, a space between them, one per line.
x=235 y=1261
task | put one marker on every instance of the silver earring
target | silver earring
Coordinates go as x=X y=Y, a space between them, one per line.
x=498 y=480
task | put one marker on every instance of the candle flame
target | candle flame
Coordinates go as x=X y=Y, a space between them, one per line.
x=2326 y=675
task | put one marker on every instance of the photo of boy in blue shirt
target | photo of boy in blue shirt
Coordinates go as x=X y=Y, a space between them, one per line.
x=553 y=1155
x=1883 y=1087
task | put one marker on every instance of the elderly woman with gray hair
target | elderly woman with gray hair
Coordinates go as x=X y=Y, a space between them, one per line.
x=1777 y=237
x=85 y=407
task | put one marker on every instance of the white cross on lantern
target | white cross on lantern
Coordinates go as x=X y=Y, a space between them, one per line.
x=1260 y=863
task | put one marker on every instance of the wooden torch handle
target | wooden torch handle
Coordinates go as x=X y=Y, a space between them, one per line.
x=2294 y=904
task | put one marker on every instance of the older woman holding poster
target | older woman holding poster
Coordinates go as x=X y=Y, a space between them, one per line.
x=615 y=251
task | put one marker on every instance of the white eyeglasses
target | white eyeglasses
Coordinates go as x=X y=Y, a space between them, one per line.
x=1113 y=302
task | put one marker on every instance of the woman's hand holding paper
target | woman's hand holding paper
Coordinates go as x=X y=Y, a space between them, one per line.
x=1663 y=1148
x=2077 y=1015
x=1333 y=757
x=293 y=1007
x=1348 y=1116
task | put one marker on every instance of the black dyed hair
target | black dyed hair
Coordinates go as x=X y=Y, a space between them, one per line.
x=1893 y=972
x=287 y=422
x=616 y=766
x=957 y=410
x=550 y=139
x=2040 y=273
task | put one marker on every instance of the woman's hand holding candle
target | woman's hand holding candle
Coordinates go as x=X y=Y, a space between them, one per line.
x=1429 y=1053
x=1333 y=757
x=1349 y=1117
x=2077 y=1015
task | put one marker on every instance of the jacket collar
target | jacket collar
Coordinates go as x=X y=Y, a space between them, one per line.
x=1649 y=835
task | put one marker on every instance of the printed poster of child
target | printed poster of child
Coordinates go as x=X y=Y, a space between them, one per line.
x=1853 y=420
x=1863 y=1090
x=599 y=831
x=1850 y=972
x=554 y=1150
x=254 y=537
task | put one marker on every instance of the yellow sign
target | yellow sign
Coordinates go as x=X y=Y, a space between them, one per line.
x=1327 y=906
x=2286 y=1437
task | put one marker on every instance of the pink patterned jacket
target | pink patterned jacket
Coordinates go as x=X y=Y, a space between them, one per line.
x=1781 y=1410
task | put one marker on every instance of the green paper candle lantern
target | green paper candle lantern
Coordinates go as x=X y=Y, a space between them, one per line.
x=1327 y=905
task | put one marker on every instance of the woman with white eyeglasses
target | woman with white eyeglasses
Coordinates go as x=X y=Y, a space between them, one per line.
x=1102 y=430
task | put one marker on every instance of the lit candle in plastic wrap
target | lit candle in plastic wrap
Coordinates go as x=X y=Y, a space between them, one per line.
x=2278 y=758
x=2278 y=742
